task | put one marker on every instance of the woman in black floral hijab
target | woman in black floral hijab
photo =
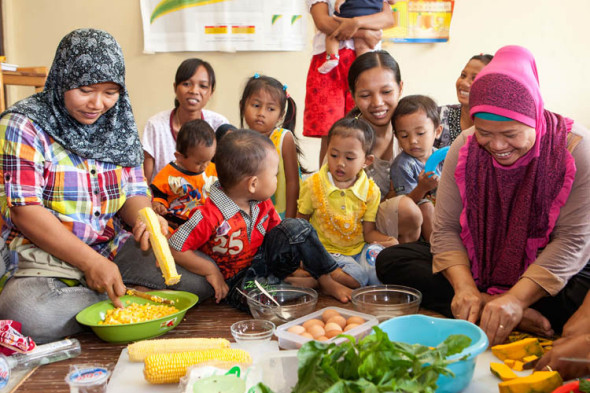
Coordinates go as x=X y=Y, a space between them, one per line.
x=70 y=178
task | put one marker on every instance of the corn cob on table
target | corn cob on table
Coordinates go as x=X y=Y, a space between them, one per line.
x=204 y=320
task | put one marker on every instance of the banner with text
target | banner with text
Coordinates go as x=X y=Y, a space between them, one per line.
x=223 y=25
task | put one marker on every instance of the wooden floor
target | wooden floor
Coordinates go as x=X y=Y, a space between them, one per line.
x=204 y=320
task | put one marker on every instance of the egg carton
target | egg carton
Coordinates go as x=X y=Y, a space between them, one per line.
x=288 y=340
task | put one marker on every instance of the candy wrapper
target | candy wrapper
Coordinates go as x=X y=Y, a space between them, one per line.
x=11 y=339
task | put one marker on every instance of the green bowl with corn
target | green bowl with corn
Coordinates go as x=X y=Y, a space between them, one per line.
x=92 y=315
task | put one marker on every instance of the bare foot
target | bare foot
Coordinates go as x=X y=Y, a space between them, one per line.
x=300 y=272
x=307 y=282
x=344 y=279
x=335 y=289
x=534 y=322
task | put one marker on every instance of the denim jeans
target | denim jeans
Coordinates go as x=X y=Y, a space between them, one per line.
x=361 y=266
x=47 y=307
x=290 y=244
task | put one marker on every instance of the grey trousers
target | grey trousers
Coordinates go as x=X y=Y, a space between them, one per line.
x=46 y=307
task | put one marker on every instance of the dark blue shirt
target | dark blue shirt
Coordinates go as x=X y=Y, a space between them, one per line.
x=352 y=8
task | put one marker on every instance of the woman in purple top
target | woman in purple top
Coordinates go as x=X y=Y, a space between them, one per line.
x=511 y=239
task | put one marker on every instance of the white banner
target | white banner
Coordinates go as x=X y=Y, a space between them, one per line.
x=223 y=25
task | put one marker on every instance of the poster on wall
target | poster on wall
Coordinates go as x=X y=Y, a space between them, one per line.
x=223 y=25
x=420 y=21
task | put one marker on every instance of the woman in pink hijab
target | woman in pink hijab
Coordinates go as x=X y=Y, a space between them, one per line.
x=511 y=240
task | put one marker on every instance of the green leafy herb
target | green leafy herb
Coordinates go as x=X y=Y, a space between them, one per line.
x=584 y=386
x=374 y=364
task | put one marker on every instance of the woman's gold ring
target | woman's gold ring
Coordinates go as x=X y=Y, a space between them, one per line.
x=548 y=368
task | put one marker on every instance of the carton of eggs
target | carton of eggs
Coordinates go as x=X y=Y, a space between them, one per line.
x=325 y=325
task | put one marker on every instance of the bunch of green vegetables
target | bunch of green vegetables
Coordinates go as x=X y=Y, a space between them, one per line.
x=373 y=364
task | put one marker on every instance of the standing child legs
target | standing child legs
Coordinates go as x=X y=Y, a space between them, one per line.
x=332 y=57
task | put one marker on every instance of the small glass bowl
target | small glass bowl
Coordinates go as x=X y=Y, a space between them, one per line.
x=386 y=301
x=252 y=330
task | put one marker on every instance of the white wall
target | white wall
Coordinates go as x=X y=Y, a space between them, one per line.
x=553 y=31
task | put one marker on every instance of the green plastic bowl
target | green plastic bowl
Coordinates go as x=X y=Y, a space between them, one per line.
x=91 y=315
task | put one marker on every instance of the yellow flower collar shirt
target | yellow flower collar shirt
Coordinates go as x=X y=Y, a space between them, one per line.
x=338 y=214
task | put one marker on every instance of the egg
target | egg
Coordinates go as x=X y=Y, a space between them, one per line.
x=329 y=313
x=332 y=326
x=297 y=329
x=316 y=331
x=322 y=338
x=338 y=319
x=333 y=333
x=306 y=335
x=312 y=322
x=351 y=326
x=355 y=319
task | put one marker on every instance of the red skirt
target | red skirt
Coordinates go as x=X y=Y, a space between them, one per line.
x=327 y=98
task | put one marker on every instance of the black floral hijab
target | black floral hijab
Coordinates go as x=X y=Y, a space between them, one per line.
x=85 y=57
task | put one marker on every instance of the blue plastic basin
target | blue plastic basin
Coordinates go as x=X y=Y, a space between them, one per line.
x=430 y=331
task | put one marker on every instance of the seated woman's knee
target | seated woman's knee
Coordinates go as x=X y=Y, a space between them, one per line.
x=410 y=220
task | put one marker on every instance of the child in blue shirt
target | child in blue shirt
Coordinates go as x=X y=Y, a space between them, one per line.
x=416 y=125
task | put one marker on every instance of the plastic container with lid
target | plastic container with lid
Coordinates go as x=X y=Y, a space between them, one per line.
x=88 y=378
x=288 y=340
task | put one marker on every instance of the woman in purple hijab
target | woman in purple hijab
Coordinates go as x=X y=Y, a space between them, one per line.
x=511 y=240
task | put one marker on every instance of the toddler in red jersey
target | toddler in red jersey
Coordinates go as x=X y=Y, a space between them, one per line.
x=237 y=235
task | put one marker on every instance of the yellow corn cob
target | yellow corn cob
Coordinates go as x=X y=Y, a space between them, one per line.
x=140 y=350
x=169 y=367
x=160 y=246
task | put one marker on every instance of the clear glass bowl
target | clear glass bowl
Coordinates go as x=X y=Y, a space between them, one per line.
x=252 y=330
x=295 y=302
x=386 y=301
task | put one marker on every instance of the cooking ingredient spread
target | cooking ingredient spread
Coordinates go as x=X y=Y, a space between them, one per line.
x=374 y=363
x=137 y=313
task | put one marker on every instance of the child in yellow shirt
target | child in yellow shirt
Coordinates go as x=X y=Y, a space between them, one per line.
x=341 y=202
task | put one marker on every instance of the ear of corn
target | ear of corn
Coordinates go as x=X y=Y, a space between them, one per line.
x=170 y=367
x=140 y=350
x=160 y=246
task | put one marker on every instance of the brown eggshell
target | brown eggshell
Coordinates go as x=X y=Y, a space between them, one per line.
x=297 y=329
x=306 y=335
x=351 y=326
x=338 y=319
x=333 y=333
x=355 y=319
x=316 y=331
x=332 y=326
x=329 y=313
x=311 y=322
x=322 y=338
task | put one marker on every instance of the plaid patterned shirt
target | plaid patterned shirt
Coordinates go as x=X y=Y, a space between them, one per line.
x=224 y=232
x=84 y=194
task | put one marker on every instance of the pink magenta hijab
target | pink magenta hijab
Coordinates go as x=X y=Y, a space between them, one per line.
x=509 y=212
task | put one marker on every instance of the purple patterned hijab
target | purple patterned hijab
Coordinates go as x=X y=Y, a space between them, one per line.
x=510 y=211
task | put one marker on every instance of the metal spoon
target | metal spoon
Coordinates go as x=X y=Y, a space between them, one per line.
x=266 y=293
x=272 y=309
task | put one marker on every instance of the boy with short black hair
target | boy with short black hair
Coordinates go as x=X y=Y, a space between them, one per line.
x=237 y=235
x=416 y=125
x=184 y=183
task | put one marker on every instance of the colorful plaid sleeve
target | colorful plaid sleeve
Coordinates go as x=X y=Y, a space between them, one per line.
x=21 y=165
x=135 y=184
